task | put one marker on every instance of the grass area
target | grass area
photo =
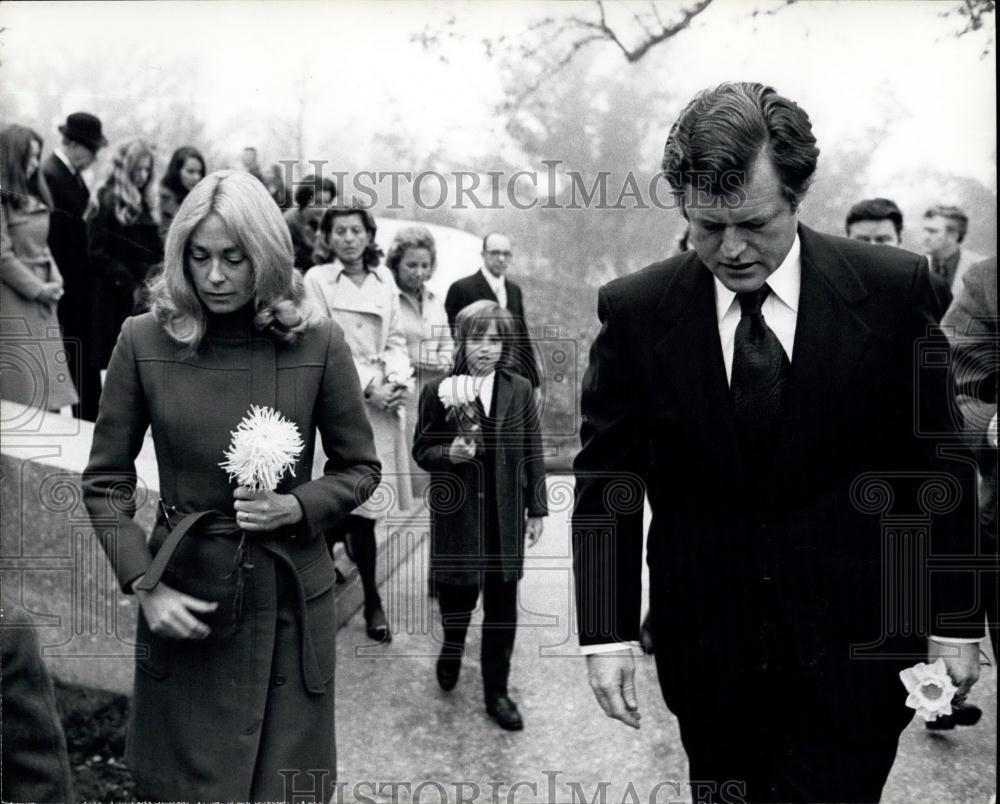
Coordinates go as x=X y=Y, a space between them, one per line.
x=95 y=722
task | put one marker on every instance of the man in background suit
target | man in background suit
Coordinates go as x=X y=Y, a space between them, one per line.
x=880 y=221
x=760 y=389
x=82 y=138
x=944 y=231
x=490 y=282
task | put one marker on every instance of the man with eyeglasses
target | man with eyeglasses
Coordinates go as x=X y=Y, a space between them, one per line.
x=490 y=282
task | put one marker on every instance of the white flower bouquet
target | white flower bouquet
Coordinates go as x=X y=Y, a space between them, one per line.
x=458 y=393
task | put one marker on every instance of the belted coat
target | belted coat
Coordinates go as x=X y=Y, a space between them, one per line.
x=222 y=719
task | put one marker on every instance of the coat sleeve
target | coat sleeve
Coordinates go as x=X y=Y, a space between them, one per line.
x=953 y=609
x=607 y=541
x=35 y=763
x=102 y=231
x=13 y=271
x=395 y=354
x=352 y=470
x=537 y=495
x=526 y=357
x=433 y=436
x=453 y=302
x=109 y=481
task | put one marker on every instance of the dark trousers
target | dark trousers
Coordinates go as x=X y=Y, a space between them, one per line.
x=358 y=535
x=771 y=735
x=86 y=377
x=457 y=603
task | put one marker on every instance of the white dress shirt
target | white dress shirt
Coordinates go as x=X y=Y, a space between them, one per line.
x=498 y=285
x=485 y=390
x=61 y=156
x=781 y=311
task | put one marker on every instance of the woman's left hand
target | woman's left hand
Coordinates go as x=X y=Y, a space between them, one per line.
x=533 y=529
x=265 y=510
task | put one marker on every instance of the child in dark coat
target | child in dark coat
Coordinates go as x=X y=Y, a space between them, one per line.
x=478 y=436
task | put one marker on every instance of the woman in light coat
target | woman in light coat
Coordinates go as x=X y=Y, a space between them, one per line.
x=34 y=359
x=363 y=298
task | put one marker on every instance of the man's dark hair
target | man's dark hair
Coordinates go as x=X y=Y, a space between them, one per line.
x=305 y=190
x=875 y=209
x=721 y=132
x=958 y=221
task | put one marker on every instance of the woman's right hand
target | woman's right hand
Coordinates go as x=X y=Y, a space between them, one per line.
x=51 y=292
x=171 y=613
x=386 y=396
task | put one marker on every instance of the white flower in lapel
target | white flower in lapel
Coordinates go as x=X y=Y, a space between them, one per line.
x=263 y=447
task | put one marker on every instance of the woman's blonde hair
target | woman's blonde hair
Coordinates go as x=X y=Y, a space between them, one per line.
x=256 y=224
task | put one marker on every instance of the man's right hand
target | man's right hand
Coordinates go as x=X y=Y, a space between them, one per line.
x=612 y=678
x=171 y=613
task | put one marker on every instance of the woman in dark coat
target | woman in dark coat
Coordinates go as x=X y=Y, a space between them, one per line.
x=487 y=496
x=185 y=169
x=235 y=648
x=124 y=242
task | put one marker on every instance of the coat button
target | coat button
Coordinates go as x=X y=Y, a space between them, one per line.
x=279 y=681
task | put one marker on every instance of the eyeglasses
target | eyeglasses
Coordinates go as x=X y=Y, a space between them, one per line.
x=498 y=253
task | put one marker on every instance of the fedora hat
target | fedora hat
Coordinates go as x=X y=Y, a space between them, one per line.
x=84 y=128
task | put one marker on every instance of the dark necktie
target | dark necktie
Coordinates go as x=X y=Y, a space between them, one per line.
x=760 y=370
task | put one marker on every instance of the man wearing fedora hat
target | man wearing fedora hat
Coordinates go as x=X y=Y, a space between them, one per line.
x=82 y=138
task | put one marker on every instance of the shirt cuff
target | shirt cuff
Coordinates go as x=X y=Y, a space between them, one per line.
x=606 y=647
x=955 y=640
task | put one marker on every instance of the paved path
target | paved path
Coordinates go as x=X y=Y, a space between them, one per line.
x=395 y=725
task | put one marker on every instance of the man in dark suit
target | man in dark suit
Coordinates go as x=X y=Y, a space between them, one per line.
x=760 y=389
x=490 y=282
x=880 y=221
x=82 y=138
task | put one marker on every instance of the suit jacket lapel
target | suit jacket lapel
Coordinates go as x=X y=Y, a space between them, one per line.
x=830 y=339
x=689 y=356
x=484 y=287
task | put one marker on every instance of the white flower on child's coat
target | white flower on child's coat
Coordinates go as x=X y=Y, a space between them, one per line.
x=930 y=689
x=263 y=447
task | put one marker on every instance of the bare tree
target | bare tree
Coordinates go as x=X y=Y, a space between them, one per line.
x=548 y=45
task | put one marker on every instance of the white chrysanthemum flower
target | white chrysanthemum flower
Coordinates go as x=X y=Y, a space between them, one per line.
x=930 y=689
x=263 y=447
x=459 y=390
